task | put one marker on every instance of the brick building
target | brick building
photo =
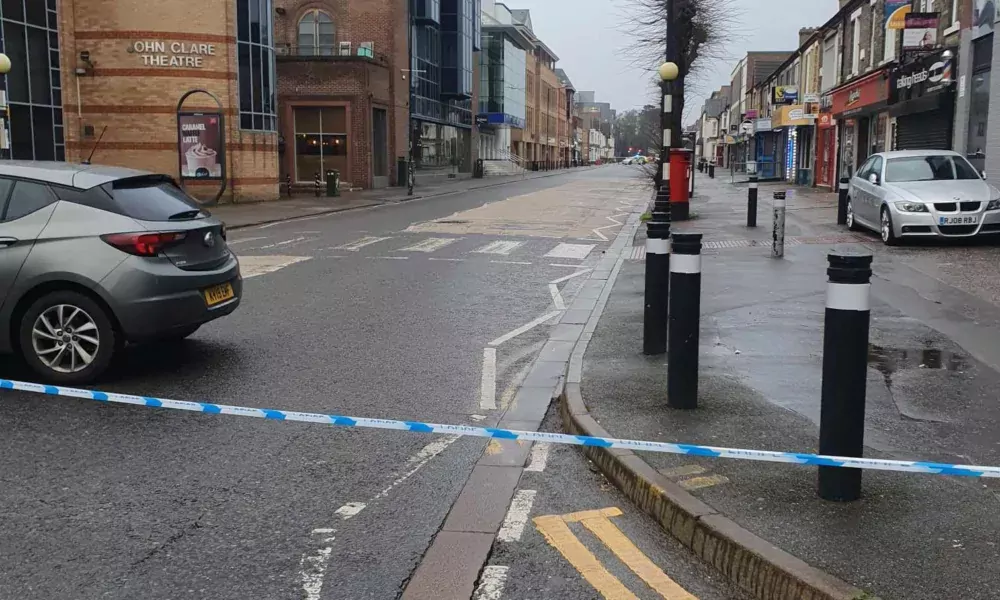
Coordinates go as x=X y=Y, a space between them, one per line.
x=114 y=71
x=343 y=89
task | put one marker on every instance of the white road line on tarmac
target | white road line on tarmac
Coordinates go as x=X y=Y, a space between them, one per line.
x=357 y=245
x=500 y=247
x=252 y=266
x=525 y=328
x=569 y=266
x=389 y=257
x=574 y=275
x=447 y=259
x=491 y=583
x=509 y=262
x=539 y=457
x=429 y=245
x=615 y=223
x=350 y=509
x=574 y=251
x=488 y=386
x=517 y=516
x=245 y=240
x=313 y=566
x=284 y=243
x=557 y=298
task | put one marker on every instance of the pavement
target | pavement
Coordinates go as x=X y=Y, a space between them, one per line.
x=384 y=312
x=237 y=216
x=931 y=395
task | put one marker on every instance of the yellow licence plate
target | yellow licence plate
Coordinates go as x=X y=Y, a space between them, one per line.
x=219 y=293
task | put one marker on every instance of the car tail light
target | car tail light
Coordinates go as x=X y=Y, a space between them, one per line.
x=144 y=244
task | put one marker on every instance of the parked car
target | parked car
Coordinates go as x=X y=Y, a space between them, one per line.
x=93 y=257
x=921 y=193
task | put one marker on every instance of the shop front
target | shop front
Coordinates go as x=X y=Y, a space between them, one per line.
x=922 y=98
x=860 y=110
x=795 y=163
x=766 y=149
x=826 y=151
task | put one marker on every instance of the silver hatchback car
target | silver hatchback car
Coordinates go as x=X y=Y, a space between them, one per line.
x=920 y=193
x=93 y=257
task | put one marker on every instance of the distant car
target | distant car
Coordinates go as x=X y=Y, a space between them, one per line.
x=93 y=257
x=628 y=160
x=921 y=193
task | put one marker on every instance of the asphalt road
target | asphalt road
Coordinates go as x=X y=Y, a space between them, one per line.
x=117 y=502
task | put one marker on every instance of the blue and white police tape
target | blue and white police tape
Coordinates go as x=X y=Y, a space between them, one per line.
x=511 y=434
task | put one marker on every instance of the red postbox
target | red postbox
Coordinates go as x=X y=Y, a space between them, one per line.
x=680 y=169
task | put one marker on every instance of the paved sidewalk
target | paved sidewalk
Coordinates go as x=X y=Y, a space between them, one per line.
x=304 y=205
x=911 y=537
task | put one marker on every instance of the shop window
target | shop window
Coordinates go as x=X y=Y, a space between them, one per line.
x=316 y=34
x=320 y=142
x=255 y=56
x=28 y=30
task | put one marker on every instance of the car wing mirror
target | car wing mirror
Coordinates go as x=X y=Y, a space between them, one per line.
x=873 y=178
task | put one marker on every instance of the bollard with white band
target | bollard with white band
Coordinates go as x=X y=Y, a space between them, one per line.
x=752 y=201
x=657 y=294
x=845 y=370
x=842 y=201
x=778 y=233
x=685 y=311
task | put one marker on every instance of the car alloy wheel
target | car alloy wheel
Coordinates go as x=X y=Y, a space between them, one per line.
x=65 y=338
x=850 y=215
x=888 y=235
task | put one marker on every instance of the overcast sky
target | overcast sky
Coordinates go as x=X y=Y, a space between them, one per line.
x=590 y=39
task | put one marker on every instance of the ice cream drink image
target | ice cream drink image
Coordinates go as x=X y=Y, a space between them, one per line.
x=202 y=161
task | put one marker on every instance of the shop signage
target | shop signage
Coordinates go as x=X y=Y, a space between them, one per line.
x=786 y=94
x=865 y=94
x=895 y=13
x=751 y=113
x=810 y=98
x=921 y=30
x=826 y=120
x=156 y=53
x=763 y=125
x=200 y=145
x=929 y=75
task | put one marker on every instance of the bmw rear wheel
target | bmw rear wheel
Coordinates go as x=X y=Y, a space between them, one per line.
x=67 y=337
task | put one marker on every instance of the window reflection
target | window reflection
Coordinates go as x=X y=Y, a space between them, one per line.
x=320 y=142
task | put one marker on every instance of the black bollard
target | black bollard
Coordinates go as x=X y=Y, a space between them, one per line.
x=778 y=231
x=317 y=183
x=752 y=201
x=685 y=311
x=845 y=366
x=288 y=184
x=842 y=201
x=711 y=170
x=657 y=293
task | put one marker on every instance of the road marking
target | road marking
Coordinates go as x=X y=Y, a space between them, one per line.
x=683 y=471
x=557 y=298
x=419 y=460
x=517 y=516
x=504 y=248
x=311 y=572
x=359 y=244
x=389 y=257
x=509 y=262
x=569 y=266
x=557 y=533
x=429 y=245
x=574 y=251
x=284 y=243
x=245 y=240
x=539 y=457
x=525 y=328
x=615 y=223
x=488 y=386
x=350 y=509
x=697 y=483
x=491 y=583
x=252 y=266
x=568 y=277
x=447 y=259
x=634 y=559
x=555 y=529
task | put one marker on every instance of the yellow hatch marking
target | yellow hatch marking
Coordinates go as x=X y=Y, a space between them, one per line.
x=557 y=534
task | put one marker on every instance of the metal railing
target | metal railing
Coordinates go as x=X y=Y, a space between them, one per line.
x=338 y=51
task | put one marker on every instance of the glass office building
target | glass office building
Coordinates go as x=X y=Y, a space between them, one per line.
x=501 y=82
x=444 y=34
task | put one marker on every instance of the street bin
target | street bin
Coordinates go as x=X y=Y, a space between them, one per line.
x=479 y=171
x=332 y=182
x=401 y=171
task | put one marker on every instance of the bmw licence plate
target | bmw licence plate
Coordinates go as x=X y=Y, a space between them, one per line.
x=218 y=294
x=963 y=220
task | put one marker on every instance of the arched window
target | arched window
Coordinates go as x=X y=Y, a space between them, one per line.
x=316 y=34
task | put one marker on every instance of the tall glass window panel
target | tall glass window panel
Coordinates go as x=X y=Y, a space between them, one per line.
x=255 y=73
x=320 y=141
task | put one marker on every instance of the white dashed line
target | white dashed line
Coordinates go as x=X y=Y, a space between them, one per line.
x=350 y=509
x=491 y=583
x=539 y=457
x=245 y=240
x=525 y=328
x=517 y=516
x=568 y=277
x=557 y=298
x=359 y=244
x=509 y=262
x=446 y=259
x=252 y=266
x=488 y=386
x=389 y=257
x=430 y=245
x=504 y=248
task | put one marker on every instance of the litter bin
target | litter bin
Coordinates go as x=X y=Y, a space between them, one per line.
x=479 y=170
x=401 y=171
x=333 y=182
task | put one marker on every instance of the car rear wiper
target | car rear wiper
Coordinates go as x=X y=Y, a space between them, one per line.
x=185 y=215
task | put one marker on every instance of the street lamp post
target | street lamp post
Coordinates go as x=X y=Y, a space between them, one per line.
x=5 y=115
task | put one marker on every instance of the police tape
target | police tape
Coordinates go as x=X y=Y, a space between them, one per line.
x=511 y=434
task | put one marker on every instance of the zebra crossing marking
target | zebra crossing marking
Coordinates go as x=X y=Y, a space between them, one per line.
x=499 y=247
x=571 y=251
x=429 y=245
x=357 y=245
x=252 y=266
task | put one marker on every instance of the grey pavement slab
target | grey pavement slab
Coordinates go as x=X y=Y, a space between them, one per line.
x=556 y=351
x=483 y=502
x=450 y=568
x=575 y=317
x=911 y=536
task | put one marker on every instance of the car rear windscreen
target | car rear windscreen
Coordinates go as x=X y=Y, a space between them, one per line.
x=154 y=199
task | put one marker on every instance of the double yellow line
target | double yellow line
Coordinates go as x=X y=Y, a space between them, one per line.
x=555 y=529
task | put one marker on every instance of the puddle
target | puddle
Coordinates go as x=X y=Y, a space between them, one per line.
x=891 y=360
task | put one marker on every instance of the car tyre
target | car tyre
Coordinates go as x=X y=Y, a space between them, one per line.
x=886 y=230
x=83 y=321
x=852 y=225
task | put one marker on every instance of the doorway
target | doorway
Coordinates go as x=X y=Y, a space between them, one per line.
x=380 y=148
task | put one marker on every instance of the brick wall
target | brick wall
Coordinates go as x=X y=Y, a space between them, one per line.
x=137 y=102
